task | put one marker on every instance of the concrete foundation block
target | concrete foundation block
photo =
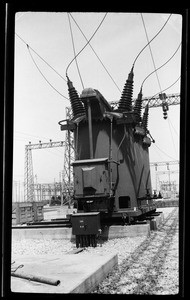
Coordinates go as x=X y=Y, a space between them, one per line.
x=42 y=233
x=118 y=231
x=77 y=273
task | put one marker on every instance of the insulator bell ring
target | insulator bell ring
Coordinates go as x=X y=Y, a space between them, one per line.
x=76 y=103
x=125 y=102
x=145 y=117
x=138 y=104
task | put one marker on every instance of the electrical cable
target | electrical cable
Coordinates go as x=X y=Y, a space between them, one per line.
x=151 y=39
x=85 y=44
x=161 y=65
x=96 y=54
x=164 y=152
x=172 y=139
x=75 y=51
x=173 y=127
x=43 y=75
x=40 y=57
x=155 y=70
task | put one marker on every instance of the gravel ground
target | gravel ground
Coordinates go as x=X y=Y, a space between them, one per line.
x=145 y=265
x=152 y=269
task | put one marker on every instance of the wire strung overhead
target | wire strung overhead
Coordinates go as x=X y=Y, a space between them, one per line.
x=174 y=158
x=95 y=53
x=173 y=127
x=85 y=45
x=172 y=139
x=155 y=70
x=152 y=39
x=43 y=75
x=28 y=46
x=161 y=65
x=73 y=44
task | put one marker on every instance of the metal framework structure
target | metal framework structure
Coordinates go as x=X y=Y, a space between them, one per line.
x=155 y=101
x=45 y=191
x=164 y=163
x=69 y=155
x=29 y=194
x=168 y=171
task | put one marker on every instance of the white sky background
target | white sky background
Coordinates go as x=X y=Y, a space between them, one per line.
x=38 y=108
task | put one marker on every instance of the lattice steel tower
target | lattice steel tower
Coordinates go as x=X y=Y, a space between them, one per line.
x=29 y=194
x=28 y=175
x=69 y=156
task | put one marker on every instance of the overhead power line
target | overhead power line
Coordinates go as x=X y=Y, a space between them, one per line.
x=85 y=44
x=155 y=70
x=163 y=151
x=73 y=44
x=96 y=54
x=152 y=39
x=40 y=56
x=44 y=76
x=161 y=65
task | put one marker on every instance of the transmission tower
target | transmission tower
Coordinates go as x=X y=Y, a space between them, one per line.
x=69 y=156
x=28 y=175
x=29 y=194
x=168 y=172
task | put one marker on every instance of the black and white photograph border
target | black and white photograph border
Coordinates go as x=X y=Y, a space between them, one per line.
x=136 y=60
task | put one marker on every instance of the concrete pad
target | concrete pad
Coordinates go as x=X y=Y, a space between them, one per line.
x=42 y=233
x=117 y=231
x=78 y=273
x=111 y=232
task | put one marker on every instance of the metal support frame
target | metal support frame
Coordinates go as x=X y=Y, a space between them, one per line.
x=29 y=194
x=28 y=176
x=171 y=99
x=168 y=171
x=69 y=156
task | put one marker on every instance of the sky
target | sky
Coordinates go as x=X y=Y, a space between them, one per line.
x=38 y=107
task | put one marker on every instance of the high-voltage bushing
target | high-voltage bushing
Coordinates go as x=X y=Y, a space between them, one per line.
x=125 y=103
x=138 y=104
x=76 y=103
x=145 y=117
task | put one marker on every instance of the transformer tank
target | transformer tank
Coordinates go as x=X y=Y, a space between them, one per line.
x=111 y=169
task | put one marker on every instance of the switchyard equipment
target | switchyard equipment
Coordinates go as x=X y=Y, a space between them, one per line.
x=111 y=168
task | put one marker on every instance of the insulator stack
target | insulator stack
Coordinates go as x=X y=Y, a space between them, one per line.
x=138 y=104
x=76 y=103
x=145 y=117
x=125 y=103
x=165 y=109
